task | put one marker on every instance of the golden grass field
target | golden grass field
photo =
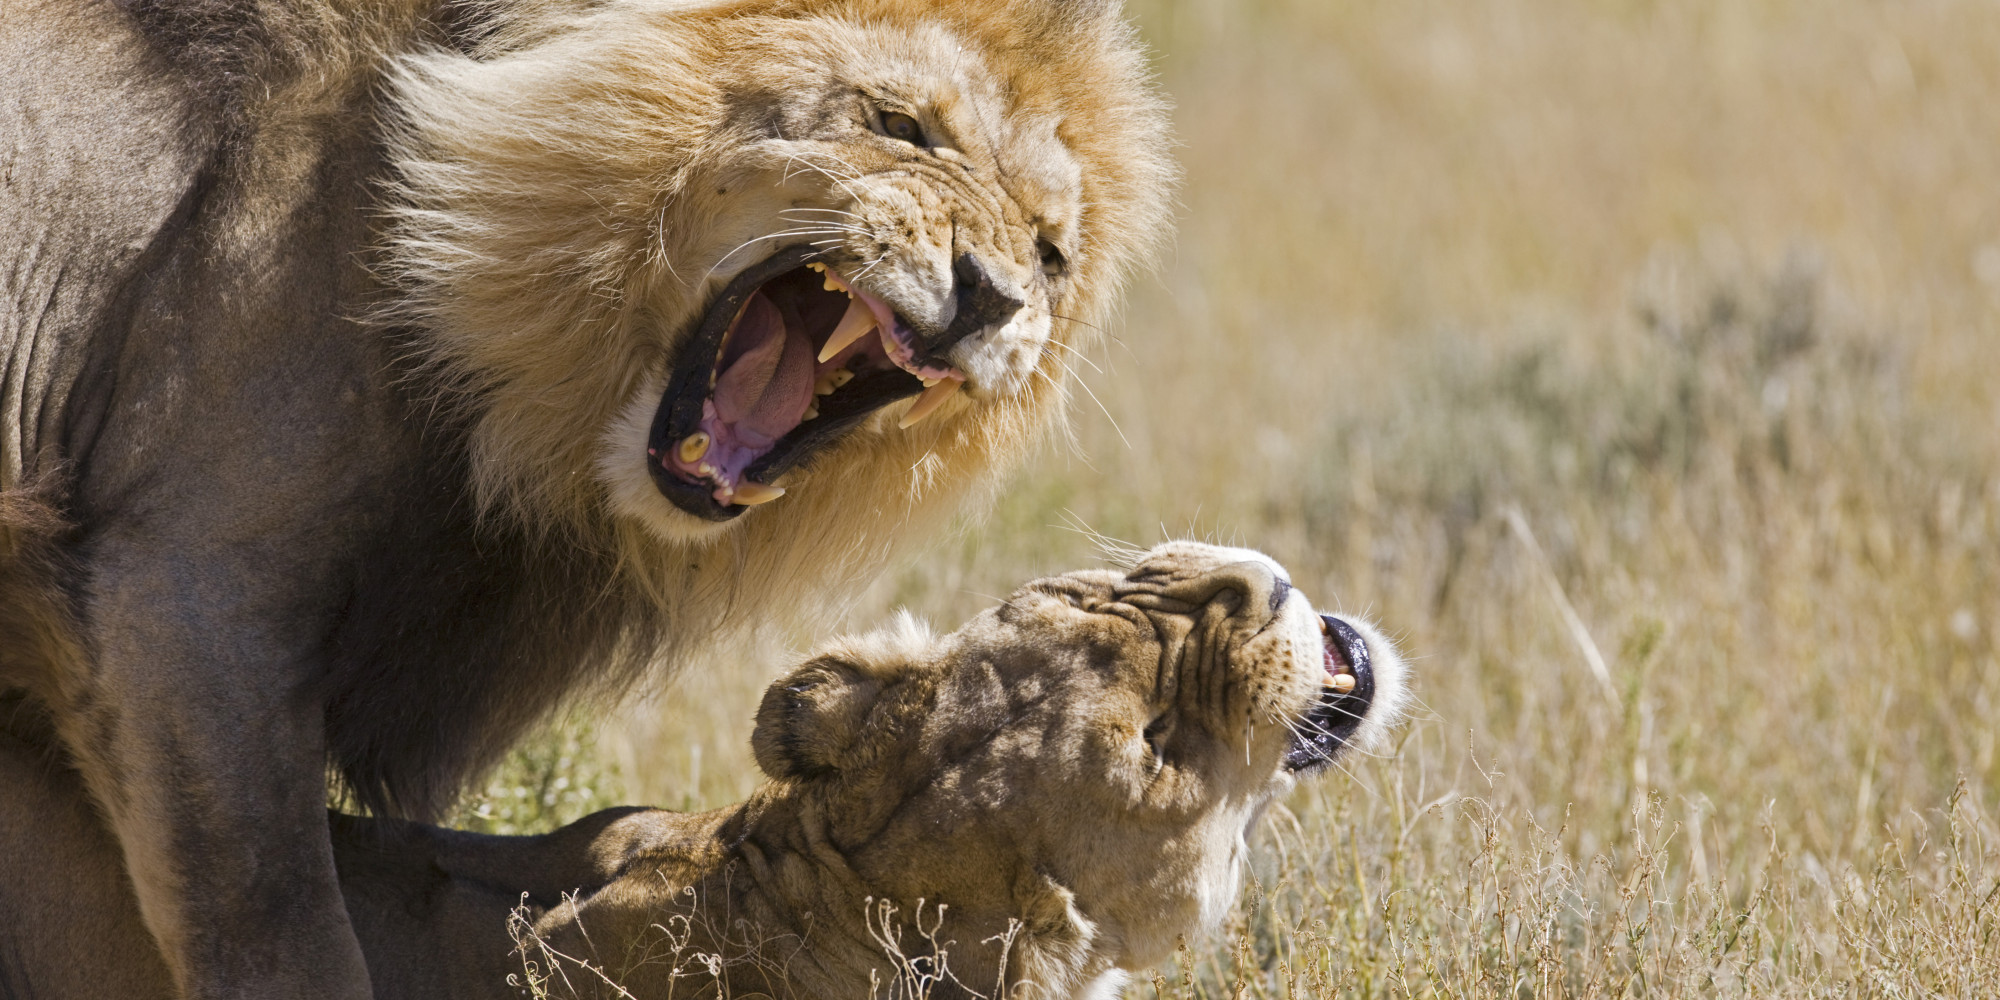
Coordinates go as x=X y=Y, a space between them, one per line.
x=1633 y=364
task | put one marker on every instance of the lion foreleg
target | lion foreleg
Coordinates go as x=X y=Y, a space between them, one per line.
x=211 y=776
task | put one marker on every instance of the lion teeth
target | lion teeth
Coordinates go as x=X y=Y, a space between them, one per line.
x=827 y=383
x=693 y=447
x=854 y=325
x=750 y=494
x=928 y=382
x=1341 y=683
x=929 y=401
x=812 y=411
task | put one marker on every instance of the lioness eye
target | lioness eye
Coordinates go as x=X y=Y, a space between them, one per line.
x=897 y=125
x=1052 y=258
x=1156 y=740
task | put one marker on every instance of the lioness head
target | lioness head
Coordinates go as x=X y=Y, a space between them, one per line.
x=682 y=258
x=1087 y=756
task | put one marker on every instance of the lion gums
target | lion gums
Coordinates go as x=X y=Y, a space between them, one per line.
x=774 y=372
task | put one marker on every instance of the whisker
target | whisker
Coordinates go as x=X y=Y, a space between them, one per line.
x=767 y=236
x=1073 y=319
x=1073 y=377
x=829 y=211
x=1079 y=355
x=871 y=266
x=1113 y=549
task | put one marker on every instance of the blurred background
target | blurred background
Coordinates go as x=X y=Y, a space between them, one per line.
x=1634 y=365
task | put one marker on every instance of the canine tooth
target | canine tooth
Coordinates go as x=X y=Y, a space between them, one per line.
x=750 y=494
x=693 y=447
x=854 y=325
x=1341 y=683
x=930 y=400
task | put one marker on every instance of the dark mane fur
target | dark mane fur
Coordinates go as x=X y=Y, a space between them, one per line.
x=329 y=335
x=442 y=636
x=434 y=675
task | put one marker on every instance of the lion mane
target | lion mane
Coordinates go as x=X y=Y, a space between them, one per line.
x=1044 y=801
x=376 y=377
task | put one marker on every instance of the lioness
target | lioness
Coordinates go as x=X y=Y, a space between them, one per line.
x=1071 y=775
x=377 y=374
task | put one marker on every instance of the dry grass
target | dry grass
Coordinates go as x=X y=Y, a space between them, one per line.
x=1683 y=317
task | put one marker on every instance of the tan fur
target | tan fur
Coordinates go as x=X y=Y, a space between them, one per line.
x=572 y=198
x=332 y=328
x=1002 y=771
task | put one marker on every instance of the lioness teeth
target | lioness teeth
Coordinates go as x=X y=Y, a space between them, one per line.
x=930 y=400
x=812 y=411
x=854 y=325
x=750 y=494
x=1341 y=683
x=694 y=446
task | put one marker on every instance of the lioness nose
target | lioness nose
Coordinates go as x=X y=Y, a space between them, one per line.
x=978 y=301
x=1254 y=583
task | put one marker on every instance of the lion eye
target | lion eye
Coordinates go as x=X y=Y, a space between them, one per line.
x=897 y=125
x=1052 y=258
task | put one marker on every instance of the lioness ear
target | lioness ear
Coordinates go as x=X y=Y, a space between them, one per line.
x=810 y=718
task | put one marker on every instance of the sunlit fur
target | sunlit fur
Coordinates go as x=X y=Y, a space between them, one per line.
x=572 y=195
x=1007 y=772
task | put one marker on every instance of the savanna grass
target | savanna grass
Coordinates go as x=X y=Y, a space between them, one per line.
x=1484 y=321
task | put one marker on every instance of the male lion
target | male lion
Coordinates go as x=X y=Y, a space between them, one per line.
x=375 y=375
x=1085 y=759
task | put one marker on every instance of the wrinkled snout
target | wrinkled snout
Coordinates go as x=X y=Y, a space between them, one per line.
x=979 y=301
x=1255 y=647
x=1254 y=589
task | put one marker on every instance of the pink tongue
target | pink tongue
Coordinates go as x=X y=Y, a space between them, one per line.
x=764 y=392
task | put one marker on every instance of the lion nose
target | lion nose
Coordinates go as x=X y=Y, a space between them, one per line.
x=978 y=302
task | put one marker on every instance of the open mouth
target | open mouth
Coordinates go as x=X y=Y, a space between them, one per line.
x=788 y=358
x=1345 y=694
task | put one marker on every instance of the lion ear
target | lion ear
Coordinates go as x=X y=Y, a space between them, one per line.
x=811 y=718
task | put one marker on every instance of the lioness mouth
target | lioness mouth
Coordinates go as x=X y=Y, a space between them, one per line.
x=1345 y=694
x=786 y=360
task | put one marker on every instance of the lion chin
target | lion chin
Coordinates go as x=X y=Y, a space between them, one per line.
x=1062 y=787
